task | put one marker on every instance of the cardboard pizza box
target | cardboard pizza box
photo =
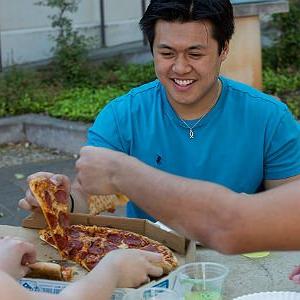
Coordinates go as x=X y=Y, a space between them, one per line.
x=184 y=249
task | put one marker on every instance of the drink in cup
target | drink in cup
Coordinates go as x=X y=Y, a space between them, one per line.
x=200 y=281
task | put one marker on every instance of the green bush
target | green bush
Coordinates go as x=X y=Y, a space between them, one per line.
x=293 y=102
x=285 y=52
x=119 y=74
x=82 y=103
x=22 y=92
x=279 y=82
x=25 y=91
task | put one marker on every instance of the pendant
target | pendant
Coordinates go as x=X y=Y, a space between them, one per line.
x=191 y=133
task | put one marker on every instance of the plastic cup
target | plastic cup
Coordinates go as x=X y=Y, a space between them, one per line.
x=153 y=294
x=200 y=281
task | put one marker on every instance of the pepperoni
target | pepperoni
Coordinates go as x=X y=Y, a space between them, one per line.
x=47 y=198
x=73 y=247
x=61 y=241
x=133 y=241
x=52 y=219
x=109 y=247
x=82 y=255
x=63 y=220
x=114 y=237
x=71 y=253
x=151 y=248
x=74 y=233
x=95 y=250
x=75 y=244
x=61 y=197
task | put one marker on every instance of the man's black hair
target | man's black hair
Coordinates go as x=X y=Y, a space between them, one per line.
x=218 y=12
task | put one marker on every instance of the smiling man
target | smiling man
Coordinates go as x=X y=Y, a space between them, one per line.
x=191 y=121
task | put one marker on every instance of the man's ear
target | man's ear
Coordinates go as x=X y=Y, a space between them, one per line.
x=225 y=51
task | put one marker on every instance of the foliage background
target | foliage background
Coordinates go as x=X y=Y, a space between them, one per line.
x=78 y=89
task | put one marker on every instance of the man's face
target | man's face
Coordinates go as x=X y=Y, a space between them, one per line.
x=187 y=61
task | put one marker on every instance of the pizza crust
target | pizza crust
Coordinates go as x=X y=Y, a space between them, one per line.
x=100 y=203
x=52 y=271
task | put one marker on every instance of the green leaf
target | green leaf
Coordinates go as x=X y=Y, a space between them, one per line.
x=19 y=176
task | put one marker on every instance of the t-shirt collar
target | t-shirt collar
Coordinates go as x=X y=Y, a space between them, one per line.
x=170 y=112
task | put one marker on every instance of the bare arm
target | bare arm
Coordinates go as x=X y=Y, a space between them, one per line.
x=219 y=218
x=100 y=288
x=119 y=268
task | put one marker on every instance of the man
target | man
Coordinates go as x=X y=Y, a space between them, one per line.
x=192 y=122
x=119 y=268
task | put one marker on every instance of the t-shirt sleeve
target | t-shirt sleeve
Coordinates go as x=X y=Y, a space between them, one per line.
x=282 y=157
x=105 y=131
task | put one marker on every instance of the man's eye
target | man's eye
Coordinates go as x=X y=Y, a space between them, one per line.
x=196 y=55
x=166 y=54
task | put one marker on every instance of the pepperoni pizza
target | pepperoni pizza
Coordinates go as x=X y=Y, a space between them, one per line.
x=86 y=245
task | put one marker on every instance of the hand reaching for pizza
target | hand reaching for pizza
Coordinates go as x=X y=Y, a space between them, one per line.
x=29 y=202
x=96 y=169
x=15 y=255
x=132 y=267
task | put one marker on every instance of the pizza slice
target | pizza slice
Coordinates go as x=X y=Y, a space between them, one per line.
x=101 y=203
x=53 y=201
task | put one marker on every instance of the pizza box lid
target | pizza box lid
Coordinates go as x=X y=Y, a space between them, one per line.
x=171 y=239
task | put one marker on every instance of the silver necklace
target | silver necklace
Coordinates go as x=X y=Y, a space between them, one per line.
x=191 y=131
x=192 y=127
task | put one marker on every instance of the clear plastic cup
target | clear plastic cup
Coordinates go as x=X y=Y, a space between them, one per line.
x=153 y=294
x=200 y=281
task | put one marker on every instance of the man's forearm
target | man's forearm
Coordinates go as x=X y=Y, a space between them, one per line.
x=200 y=210
x=221 y=219
x=214 y=215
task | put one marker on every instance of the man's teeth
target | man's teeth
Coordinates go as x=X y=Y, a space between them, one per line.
x=183 y=82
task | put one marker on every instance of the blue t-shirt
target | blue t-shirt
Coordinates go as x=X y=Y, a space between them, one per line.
x=246 y=138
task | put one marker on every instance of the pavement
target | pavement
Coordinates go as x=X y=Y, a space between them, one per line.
x=246 y=275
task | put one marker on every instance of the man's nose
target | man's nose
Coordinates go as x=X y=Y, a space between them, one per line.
x=181 y=65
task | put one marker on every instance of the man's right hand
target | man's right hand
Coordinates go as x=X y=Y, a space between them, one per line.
x=29 y=202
